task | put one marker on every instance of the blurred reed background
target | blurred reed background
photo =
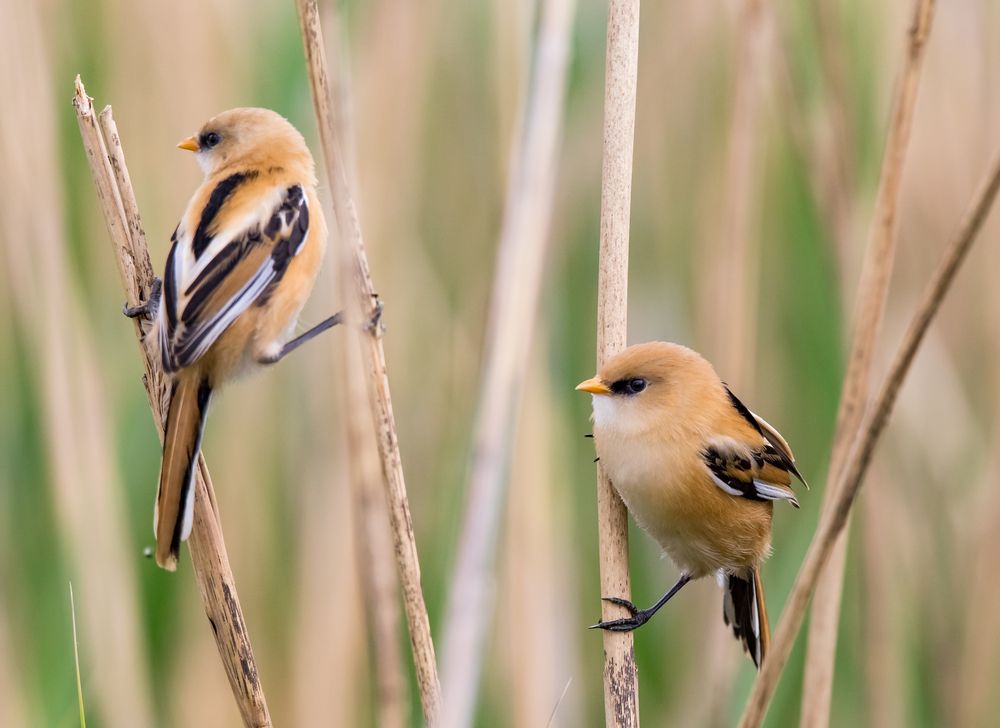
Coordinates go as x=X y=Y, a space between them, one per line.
x=758 y=142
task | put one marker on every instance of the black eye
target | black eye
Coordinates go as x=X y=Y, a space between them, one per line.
x=636 y=385
x=210 y=139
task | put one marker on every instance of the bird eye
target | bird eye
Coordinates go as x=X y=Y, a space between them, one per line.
x=636 y=385
x=210 y=139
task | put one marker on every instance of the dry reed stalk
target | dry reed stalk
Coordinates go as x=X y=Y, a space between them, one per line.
x=362 y=307
x=817 y=688
x=730 y=289
x=40 y=279
x=849 y=478
x=729 y=294
x=207 y=547
x=379 y=585
x=977 y=673
x=621 y=680
x=375 y=556
x=538 y=649
x=524 y=242
x=884 y=683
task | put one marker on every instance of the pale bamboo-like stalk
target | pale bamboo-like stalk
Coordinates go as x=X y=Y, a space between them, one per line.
x=621 y=680
x=524 y=242
x=206 y=544
x=817 y=688
x=376 y=560
x=729 y=293
x=849 y=479
x=362 y=306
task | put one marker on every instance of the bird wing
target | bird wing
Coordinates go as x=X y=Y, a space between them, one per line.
x=221 y=270
x=752 y=460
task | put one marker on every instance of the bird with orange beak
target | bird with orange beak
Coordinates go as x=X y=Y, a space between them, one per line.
x=698 y=471
x=243 y=260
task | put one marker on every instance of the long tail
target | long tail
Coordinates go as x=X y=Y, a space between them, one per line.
x=174 y=512
x=744 y=609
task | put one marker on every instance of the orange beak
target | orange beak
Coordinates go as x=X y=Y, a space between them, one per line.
x=594 y=386
x=191 y=144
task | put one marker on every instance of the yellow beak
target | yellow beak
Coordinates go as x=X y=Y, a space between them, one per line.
x=191 y=144
x=594 y=386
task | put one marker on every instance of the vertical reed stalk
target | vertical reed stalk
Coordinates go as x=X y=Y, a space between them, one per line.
x=817 y=689
x=361 y=307
x=729 y=294
x=207 y=547
x=621 y=680
x=850 y=476
x=524 y=242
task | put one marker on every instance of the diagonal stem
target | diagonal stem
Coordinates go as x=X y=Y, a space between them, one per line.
x=360 y=308
x=206 y=545
x=834 y=518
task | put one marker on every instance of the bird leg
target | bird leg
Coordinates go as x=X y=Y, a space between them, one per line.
x=150 y=308
x=639 y=616
x=303 y=338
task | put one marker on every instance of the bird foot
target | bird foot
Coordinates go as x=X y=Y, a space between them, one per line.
x=150 y=308
x=625 y=624
x=375 y=322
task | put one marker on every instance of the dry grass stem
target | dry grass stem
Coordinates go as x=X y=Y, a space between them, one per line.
x=376 y=559
x=873 y=289
x=524 y=242
x=849 y=478
x=360 y=308
x=208 y=552
x=621 y=683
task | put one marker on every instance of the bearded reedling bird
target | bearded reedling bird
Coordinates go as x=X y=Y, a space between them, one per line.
x=698 y=471
x=242 y=263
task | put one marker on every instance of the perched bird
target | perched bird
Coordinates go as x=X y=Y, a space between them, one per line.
x=242 y=263
x=698 y=471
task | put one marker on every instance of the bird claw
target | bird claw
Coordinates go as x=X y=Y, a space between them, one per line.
x=375 y=322
x=148 y=309
x=626 y=624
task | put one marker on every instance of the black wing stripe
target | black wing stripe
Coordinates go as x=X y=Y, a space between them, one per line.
x=742 y=409
x=771 y=454
x=170 y=289
x=216 y=200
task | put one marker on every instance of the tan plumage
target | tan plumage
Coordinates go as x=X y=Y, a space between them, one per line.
x=243 y=261
x=697 y=470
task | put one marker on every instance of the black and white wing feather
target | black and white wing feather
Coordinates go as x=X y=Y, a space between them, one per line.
x=228 y=264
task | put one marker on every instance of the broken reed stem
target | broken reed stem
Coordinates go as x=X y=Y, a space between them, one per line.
x=621 y=684
x=873 y=289
x=208 y=550
x=524 y=242
x=834 y=519
x=360 y=309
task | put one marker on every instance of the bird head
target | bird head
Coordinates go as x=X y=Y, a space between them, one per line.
x=249 y=137
x=639 y=387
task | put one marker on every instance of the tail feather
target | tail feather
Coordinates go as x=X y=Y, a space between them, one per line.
x=174 y=512
x=745 y=611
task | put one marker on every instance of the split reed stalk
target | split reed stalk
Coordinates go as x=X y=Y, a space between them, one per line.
x=208 y=551
x=849 y=478
x=360 y=308
x=621 y=680
x=817 y=688
x=524 y=243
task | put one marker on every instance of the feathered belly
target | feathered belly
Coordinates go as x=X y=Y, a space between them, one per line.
x=700 y=527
